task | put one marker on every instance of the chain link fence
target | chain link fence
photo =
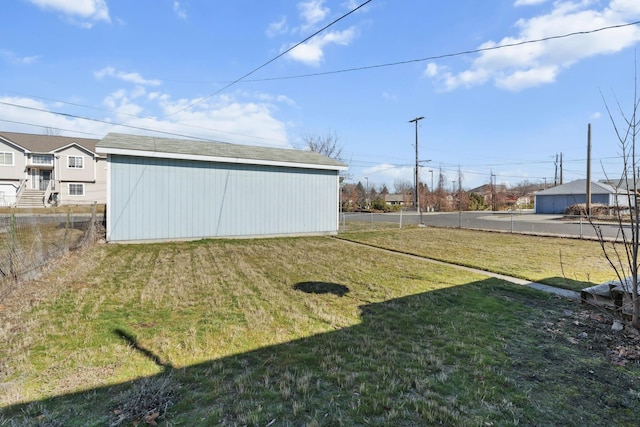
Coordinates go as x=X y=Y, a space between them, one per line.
x=516 y=222
x=29 y=242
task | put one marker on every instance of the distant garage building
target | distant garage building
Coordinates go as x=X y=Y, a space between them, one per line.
x=557 y=199
x=174 y=189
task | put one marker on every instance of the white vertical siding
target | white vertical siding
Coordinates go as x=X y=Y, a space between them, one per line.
x=156 y=199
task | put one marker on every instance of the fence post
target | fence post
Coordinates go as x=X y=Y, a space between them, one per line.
x=580 y=227
x=66 y=231
x=13 y=271
x=400 y=218
x=511 y=222
x=371 y=220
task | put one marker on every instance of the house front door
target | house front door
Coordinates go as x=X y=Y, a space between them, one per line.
x=40 y=178
x=45 y=177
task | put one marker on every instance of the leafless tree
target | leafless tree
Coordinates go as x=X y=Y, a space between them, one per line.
x=441 y=203
x=327 y=145
x=405 y=188
x=623 y=257
x=51 y=131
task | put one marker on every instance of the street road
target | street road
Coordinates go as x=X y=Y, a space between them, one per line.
x=503 y=221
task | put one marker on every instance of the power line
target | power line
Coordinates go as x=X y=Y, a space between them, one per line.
x=102 y=121
x=40 y=126
x=127 y=114
x=272 y=59
x=243 y=78
x=443 y=56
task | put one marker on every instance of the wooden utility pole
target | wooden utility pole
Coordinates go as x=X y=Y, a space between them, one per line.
x=416 y=200
x=588 y=201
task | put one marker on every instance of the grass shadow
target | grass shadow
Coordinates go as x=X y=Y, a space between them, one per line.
x=321 y=288
x=133 y=343
x=476 y=354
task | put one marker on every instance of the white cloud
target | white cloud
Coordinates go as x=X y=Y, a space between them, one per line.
x=242 y=118
x=37 y=116
x=528 y=78
x=312 y=52
x=529 y=2
x=125 y=76
x=529 y=65
x=179 y=10
x=13 y=58
x=311 y=16
x=87 y=11
x=311 y=13
x=431 y=70
x=277 y=27
x=388 y=173
x=389 y=96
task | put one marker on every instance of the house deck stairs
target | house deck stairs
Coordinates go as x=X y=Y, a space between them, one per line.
x=31 y=199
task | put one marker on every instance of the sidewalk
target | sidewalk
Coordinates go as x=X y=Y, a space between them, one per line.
x=565 y=293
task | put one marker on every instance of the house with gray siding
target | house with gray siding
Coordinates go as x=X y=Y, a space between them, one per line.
x=556 y=200
x=43 y=170
x=173 y=189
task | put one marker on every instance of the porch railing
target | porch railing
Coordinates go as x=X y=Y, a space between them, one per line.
x=21 y=188
x=47 y=192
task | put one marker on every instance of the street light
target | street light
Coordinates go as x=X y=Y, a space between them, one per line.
x=417 y=195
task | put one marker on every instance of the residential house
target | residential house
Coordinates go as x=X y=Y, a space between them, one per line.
x=44 y=170
x=399 y=199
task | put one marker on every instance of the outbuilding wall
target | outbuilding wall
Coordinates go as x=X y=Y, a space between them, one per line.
x=558 y=203
x=170 y=199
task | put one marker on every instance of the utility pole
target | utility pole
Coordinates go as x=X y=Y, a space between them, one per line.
x=561 y=169
x=588 y=201
x=417 y=191
x=431 y=172
x=459 y=189
x=366 y=194
x=493 y=191
x=555 y=176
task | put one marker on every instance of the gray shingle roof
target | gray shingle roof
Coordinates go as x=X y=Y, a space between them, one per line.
x=47 y=143
x=578 y=187
x=177 y=147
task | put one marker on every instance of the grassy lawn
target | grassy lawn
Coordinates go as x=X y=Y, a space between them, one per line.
x=566 y=263
x=301 y=331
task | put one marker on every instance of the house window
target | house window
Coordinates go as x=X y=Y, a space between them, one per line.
x=41 y=159
x=76 y=162
x=76 y=189
x=6 y=158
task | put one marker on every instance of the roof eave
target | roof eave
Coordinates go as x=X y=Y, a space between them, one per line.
x=216 y=159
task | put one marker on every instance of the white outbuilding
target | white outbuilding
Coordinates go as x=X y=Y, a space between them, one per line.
x=174 y=189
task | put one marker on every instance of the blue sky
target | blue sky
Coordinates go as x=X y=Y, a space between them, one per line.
x=162 y=65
